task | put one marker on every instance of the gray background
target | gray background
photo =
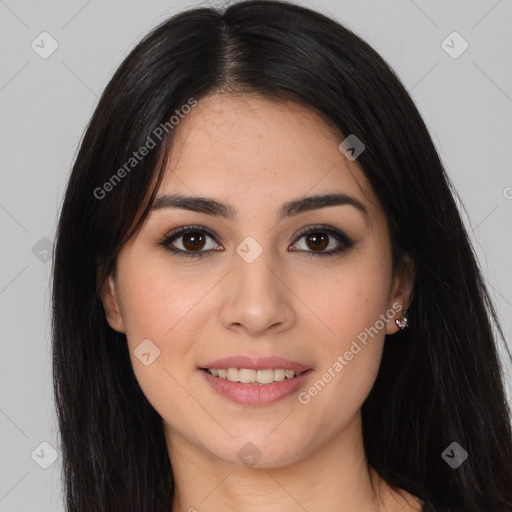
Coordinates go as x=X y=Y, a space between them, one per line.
x=45 y=105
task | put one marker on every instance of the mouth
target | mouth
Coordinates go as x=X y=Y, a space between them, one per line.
x=258 y=377
x=255 y=381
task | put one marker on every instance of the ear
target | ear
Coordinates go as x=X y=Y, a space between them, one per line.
x=111 y=305
x=401 y=293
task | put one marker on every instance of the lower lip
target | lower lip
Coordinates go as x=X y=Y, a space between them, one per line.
x=252 y=394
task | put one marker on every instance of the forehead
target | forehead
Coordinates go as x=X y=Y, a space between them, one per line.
x=249 y=150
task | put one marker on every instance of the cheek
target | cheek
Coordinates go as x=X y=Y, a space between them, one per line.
x=344 y=378
x=350 y=350
x=167 y=312
x=172 y=310
x=157 y=303
x=352 y=302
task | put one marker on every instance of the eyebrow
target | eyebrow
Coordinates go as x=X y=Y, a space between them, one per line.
x=297 y=206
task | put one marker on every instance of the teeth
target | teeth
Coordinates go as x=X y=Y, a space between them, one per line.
x=279 y=375
x=246 y=376
x=233 y=374
x=265 y=376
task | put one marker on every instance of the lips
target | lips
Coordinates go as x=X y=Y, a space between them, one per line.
x=252 y=394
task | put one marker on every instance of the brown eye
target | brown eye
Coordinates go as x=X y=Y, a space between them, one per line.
x=314 y=241
x=317 y=241
x=193 y=241
x=190 y=242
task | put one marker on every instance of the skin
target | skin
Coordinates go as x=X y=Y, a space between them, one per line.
x=257 y=154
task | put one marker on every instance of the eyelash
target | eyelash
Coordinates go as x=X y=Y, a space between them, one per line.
x=342 y=238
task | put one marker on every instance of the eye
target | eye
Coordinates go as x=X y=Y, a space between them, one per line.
x=319 y=238
x=192 y=240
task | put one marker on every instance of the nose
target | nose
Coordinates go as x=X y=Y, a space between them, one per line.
x=256 y=297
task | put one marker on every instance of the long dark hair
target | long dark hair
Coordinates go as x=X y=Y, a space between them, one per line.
x=439 y=380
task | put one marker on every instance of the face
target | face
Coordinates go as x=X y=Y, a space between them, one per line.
x=270 y=284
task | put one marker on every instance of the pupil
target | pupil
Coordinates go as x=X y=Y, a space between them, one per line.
x=319 y=240
x=193 y=241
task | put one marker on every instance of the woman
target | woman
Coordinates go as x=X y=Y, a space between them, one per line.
x=264 y=297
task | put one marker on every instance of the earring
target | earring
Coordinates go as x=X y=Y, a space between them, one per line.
x=402 y=324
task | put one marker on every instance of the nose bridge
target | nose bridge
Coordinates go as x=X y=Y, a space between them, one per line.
x=252 y=269
x=257 y=297
x=257 y=272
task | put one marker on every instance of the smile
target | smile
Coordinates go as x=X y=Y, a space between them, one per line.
x=264 y=386
x=255 y=377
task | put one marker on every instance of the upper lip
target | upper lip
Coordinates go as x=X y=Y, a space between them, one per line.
x=257 y=363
